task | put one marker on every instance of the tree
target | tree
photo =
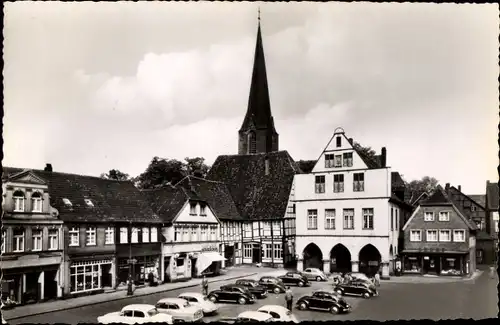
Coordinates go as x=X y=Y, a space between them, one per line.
x=196 y=167
x=116 y=175
x=426 y=184
x=367 y=152
x=162 y=171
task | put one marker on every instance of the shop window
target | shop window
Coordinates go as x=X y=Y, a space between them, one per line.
x=19 y=200
x=123 y=235
x=413 y=264
x=145 y=235
x=278 y=251
x=90 y=236
x=36 y=239
x=154 y=235
x=36 y=202
x=53 y=239
x=450 y=266
x=268 y=251
x=85 y=276
x=109 y=235
x=19 y=240
x=74 y=236
x=180 y=262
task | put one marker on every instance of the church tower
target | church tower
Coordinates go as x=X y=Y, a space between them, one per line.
x=257 y=133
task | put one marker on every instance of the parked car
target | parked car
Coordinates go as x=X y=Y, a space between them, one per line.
x=227 y=320
x=324 y=300
x=294 y=278
x=232 y=293
x=254 y=287
x=136 y=314
x=359 y=276
x=273 y=284
x=356 y=288
x=197 y=299
x=314 y=274
x=279 y=313
x=253 y=316
x=179 y=309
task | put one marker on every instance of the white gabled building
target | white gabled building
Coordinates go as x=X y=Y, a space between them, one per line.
x=347 y=218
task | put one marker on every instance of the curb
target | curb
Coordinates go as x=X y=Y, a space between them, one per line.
x=126 y=297
x=437 y=280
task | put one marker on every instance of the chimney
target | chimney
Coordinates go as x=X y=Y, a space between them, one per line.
x=447 y=188
x=383 y=157
x=460 y=188
x=48 y=168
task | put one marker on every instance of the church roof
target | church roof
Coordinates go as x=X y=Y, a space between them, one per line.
x=259 y=114
x=112 y=200
x=255 y=194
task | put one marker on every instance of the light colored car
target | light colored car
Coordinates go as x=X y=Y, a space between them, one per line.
x=254 y=316
x=136 y=314
x=179 y=309
x=199 y=300
x=314 y=274
x=361 y=276
x=279 y=313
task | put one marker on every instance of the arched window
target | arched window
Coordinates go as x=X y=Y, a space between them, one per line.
x=252 y=143
x=19 y=199
x=36 y=202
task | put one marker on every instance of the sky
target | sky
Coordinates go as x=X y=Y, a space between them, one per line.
x=90 y=87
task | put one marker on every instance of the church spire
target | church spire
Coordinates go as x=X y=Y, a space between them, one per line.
x=257 y=133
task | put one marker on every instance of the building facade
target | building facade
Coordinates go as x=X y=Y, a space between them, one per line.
x=491 y=204
x=32 y=240
x=439 y=238
x=347 y=218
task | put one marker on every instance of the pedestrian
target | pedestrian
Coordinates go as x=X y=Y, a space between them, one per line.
x=377 y=279
x=492 y=272
x=204 y=285
x=289 y=298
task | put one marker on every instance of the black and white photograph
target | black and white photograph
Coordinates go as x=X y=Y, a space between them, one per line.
x=168 y=162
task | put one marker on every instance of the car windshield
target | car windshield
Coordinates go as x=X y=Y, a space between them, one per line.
x=152 y=312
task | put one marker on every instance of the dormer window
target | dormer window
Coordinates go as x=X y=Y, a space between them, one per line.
x=89 y=203
x=36 y=202
x=203 y=210
x=19 y=199
x=67 y=202
x=192 y=208
x=339 y=142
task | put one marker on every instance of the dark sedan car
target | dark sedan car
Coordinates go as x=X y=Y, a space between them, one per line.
x=232 y=293
x=254 y=287
x=324 y=300
x=356 y=288
x=294 y=278
x=272 y=284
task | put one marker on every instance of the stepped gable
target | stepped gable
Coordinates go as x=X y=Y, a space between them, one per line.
x=255 y=194
x=118 y=201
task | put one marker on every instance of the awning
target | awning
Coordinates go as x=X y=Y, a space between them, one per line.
x=206 y=258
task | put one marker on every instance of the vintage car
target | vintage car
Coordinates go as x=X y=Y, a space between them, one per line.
x=273 y=284
x=294 y=278
x=254 y=287
x=179 y=309
x=135 y=314
x=314 y=274
x=197 y=299
x=253 y=316
x=232 y=293
x=324 y=300
x=279 y=313
x=356 y=288
x=359 y=276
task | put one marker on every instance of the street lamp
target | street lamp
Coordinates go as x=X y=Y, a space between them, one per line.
x=129 y=281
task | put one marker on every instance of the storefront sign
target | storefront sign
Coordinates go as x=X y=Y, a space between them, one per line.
x=412 y=258
x=450 y=259
x=209 y=249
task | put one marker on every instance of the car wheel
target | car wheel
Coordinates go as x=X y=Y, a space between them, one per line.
x=334 y=310
x=242 y=301
x=276 y=290
x=212 y=298
x=300 y=284
x=339 y=292
x=366 y=295
x=318 y=278
x=302 y=306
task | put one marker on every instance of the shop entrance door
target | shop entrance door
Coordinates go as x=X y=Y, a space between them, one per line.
x=194 y=269
x=106 y=280
x=431 y=265
x=229 y=255
x=256 y=253
x=50 y=290
x=32 y=288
